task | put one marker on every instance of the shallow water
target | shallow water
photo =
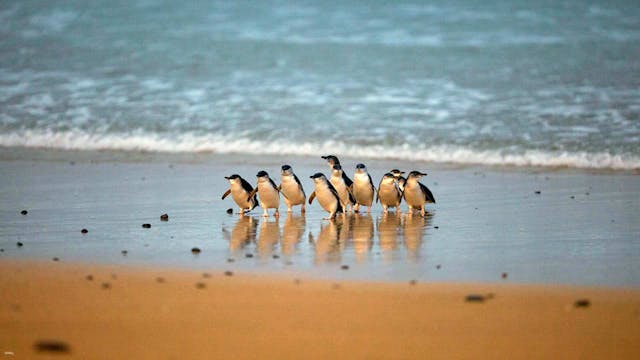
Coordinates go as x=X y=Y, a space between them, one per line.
x=486 y=223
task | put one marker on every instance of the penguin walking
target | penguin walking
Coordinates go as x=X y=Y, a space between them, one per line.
x=326 y=194
x=242 y=193
x=269 y=193
x=363 y=189
x=291 y=189
x=416 y=194
x=389 y=193
x=397 y=174
x=332 y=160
x=344 y=191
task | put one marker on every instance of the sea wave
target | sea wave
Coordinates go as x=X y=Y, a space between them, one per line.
x=228 y=144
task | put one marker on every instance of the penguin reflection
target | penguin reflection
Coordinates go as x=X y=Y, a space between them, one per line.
x=268 y=237
x=327 y=245
x=243 y=233
x=362 y=230
x=414 y=228
x=292 y=231
x=389 y=228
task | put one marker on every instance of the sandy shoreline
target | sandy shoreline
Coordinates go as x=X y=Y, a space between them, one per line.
x=243 y=316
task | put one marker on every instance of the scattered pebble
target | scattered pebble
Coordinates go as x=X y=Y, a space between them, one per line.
x=19 y=244
x=297 y=281
x=344 y=267
x=84 y=231
x=490 y=296
x=586 y=193
x=504 y=275
x=124 y=252
x=276 y=256
x=582 y=303
x=413 y=282
x=160 y=280
x=106 y=285
x=335 y=286
x=474 y=298
x=206 y=275
x=249 y=255
x=195 y=250
x=89 y=277
x=52 y=346
x=289 y=262
x=114 y=276
x=164 y=217
x=436 y=227
x=538 y=192
x=572 y=197
x=1 y=250
x=146 y=226
x=56 y=259
x=231 y=260
x=229 y=211
x=201 y=285
x=228 y=273
x=24 y=212
x=438 y=266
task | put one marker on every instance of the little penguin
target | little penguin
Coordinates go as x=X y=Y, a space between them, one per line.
x=389 y=193
x=332 y=160
x=326 y=194
x=344 y=192
x=269 y=193
x=291 y=189
x=363 y=189
x=242 y=193
x=397 y=174
x=416 y=194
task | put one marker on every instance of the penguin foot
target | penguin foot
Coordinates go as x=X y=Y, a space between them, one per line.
x=277 y=214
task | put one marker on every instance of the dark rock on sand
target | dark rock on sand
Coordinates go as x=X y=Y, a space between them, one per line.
x=474 y=298
x=538 y=192
x=413 y=282
x=160 y=280
x=56 y=259
x=146 y=226
x=52 y=346
x=582 y=303
x=276 y=256
x=89 y=277
x=201 y=285
x=164 y=217
x=106 y=286
x=229 y=211
x=249 y=255
x=504 y=275
x=84 y=231
x=195 y=250
x=24 y=212
x=438 y=266
x=124 y=252
x=228 y=273
x=19 y=244
x=344 y=267
x=206 y=275
x=231 y=260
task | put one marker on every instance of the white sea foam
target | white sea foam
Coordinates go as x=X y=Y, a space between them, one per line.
x=76 y=140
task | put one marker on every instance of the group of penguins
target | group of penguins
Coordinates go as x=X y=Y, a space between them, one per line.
x=335 y=194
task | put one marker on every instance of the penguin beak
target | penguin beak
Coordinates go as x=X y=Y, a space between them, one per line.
x=226 y=177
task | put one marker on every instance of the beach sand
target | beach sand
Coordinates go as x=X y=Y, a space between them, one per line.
x=50 y=309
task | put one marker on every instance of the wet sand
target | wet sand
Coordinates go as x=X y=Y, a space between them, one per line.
x=110 y=312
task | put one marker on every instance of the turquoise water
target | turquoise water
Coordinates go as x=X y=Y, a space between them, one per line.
x=541 y=83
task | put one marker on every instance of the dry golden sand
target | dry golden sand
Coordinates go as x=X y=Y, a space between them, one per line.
x=252 y=316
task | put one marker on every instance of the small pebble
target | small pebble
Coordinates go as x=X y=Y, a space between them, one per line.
x=114 y=276
x=504 y=275
x=438 y=266
x=24 y=212
x=231 y=260
x=289 y=262
x=206 y=275
x=436 y=227
x=586 y=193
x=164 y=217
x=52 y=346
x=56 y=259
x=572 y=197
x=276 y=256
x=474 y=298
x=1 y=250
x=582 y=303
x=106 y=286
x=228 y=273
x=413 y=282
x=200 y=285
x=160 y=280
x=89 y=277
x=124 y=252
x=249 y=255
x=146 y=226
x=229 y=211
x=335 y=286
x=195 y=250
x=538 y=192
x=297 y=281
x=19 y=244
x=84 y=231
x=344 y=267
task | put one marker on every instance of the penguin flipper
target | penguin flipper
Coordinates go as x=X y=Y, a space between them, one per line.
x=427 y=193
x=253 y=192
x=226 y=193
x=311 y=197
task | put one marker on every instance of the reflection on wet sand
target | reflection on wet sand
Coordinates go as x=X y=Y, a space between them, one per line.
x=268 y=238
x=292 y=231
x=362 y=230
x=414 y=228
x=328 y=247
x=243 y=233
x=389 y=229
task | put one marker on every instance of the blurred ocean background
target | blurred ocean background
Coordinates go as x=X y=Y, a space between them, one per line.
x=549 y=83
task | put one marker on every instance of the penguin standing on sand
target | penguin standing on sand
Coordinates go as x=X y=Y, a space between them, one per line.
x=269 y=193
x=397 y=174
x=291 y=189
x=242 y=193
x=363 y=189
x=416 y=194
x=389 y=193
x=344 y=192
x=326 y=194
x=332 y=161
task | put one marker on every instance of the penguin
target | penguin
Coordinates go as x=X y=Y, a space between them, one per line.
x=401 y=179
x=416 y=194
x=344 y=191
x=291 y=189
x=389 y=193
x=242 y=193
x=333 y=160
x=269 y=193
x=363 y=189
x=327 y=195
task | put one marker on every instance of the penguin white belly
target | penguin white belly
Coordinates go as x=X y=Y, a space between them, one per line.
x=341 y=188
x=388 y=196
x=240 y=196
x=413 y=195
x=269 y=196
x=326 y=199
x=362 y=189
x=291 y=189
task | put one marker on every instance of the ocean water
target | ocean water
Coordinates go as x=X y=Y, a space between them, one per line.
x=543 y=83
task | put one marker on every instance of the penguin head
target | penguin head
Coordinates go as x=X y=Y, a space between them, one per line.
x=396 y=173
x=262 y=176
x=331 y=159
x=360 y=168
x=416 y=175
x=233 y=178
x=318 y=177
x=388 y=178
x=286 y=170
x=337 y=170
